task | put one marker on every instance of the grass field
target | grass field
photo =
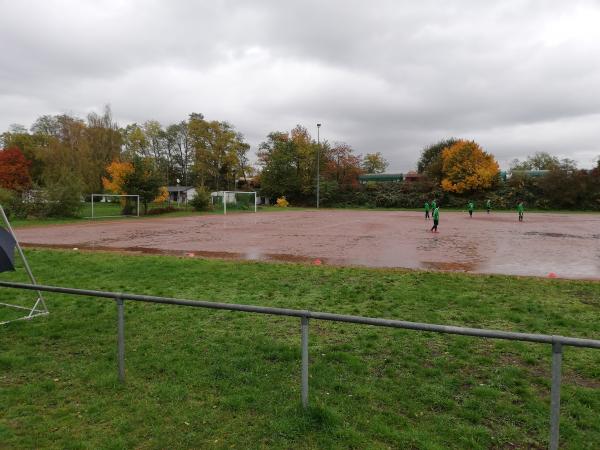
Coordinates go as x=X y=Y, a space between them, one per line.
x=210 y=379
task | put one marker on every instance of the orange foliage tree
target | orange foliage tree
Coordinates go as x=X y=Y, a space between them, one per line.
x=343 y=166
x=117 y=171
x=466 y=167
x=14 y=173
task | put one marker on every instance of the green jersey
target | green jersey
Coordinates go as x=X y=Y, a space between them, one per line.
x=426 y=206
x=471 y=206
x=520 y=208
x=488 y=204
x=433 y=204
x=436 y=213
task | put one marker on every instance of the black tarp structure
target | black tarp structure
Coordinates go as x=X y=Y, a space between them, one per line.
x=8 y=243
x=7 y=251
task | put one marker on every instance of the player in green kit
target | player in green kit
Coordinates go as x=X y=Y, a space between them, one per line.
x=433 y=206
x=520 y=210
x=470 y=207
x=436 y=219
x=426 y=211
x=488 y=205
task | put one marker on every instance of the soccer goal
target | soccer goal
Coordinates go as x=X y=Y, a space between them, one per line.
x=8 y=242
x=234 y=201
x=114 y=205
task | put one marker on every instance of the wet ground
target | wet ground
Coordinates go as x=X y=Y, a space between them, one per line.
x=565 y=244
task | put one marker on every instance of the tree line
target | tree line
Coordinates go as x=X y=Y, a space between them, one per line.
x=68 y=158
x=195 y=150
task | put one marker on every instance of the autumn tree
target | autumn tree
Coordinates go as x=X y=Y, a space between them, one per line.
x=430 y=163
x=104 y=141
x=343 y=166
x=374 y=163
x=466 y=167
x=289 y=164
x=31 y=145
x=115 y=180
x=70 y=153
x=14 y=173
x=219 y=152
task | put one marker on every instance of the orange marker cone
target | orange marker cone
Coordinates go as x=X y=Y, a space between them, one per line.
x=317 y=262
x=552 y=275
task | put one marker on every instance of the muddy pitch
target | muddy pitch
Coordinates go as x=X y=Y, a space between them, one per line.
x=568 y=245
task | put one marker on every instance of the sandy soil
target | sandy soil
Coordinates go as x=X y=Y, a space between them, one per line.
x=568 y=245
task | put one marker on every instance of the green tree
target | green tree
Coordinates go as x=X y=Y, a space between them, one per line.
x=278 y=158
x=144 y=180
x=430 y=163
x=374 y=163
x=220 y=152
x=537 y=161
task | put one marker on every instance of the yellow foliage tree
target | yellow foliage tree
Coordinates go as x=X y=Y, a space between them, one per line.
x=117 y=171
x=163 y=195
x=466 y=167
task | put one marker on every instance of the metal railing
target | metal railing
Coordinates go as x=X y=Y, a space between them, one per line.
x=557 y=342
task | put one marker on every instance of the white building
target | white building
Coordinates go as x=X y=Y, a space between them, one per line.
x=181 y=194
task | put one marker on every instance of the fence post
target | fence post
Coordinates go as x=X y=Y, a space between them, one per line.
x=304 y=329
x=121 y=338
x=555 y=395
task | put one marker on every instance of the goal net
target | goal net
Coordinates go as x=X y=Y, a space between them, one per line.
x=112 y=205
x=230 y=201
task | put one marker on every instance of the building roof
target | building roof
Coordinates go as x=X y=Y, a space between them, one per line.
x=381 y=177
x=179 y=188
x=530 y=173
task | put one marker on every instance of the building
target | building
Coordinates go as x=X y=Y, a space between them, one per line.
x=412 y=176
x=529 y=173
x=181 y=194
x=380 y=177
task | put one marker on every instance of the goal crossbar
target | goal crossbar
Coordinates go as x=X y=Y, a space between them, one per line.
x=39 y=308
x=135 y=196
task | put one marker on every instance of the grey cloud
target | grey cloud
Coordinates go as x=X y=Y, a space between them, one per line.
x=519 y=76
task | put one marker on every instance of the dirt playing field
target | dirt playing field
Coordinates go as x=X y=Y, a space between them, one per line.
x=568 y=245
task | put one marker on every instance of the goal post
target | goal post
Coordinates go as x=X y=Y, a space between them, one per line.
x=114 y=205
x=234 y=201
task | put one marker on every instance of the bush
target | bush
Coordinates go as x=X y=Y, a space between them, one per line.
x=201 y=202
x=164 y=210
x=63 y=199
x=7 y=200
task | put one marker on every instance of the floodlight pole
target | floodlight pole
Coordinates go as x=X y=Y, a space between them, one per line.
x=318 y=161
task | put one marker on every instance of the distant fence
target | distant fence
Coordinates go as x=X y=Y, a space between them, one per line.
x=557 y=342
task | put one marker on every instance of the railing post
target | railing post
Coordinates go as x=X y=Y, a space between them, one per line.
x=304 y=330
x=555 y=395
x=121 y=338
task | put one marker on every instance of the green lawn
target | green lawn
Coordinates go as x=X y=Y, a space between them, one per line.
x=214 y=379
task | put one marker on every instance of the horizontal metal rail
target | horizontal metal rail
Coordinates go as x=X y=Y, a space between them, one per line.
x=448 y=329
x=557 y=342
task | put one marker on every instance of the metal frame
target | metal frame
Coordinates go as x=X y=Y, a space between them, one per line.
x=557 y=342
x=233 y=192
x=39 y=308
x=114 y=195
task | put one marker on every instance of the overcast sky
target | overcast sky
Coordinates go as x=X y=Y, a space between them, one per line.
x=388 y=76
